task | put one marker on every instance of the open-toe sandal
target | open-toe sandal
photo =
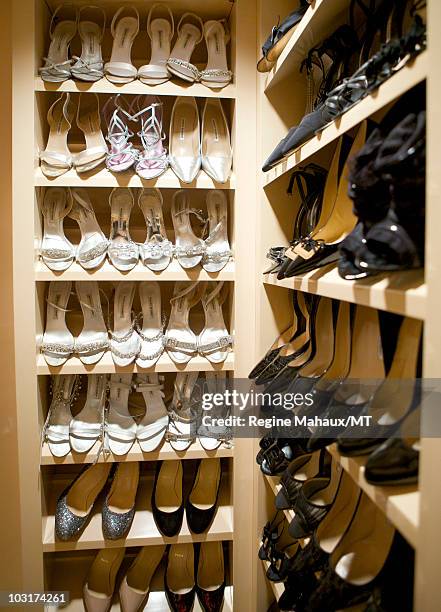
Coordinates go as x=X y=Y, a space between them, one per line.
x=92 y=250
x=189 y=35
x=86 y=428
x=217 y=247
x=56 y=251
x=124 y=341
x=180 y=341
x=189 y=248
x=122 y=154
x=157 y=251
x=153 y=159
x=123 y=252
x=160 y=31
x=56 y=159
x=214 y=341
x=152 y=427
x=57 y=65
x=58 y=343
x=89 y=122
x=124 y=29
x=151 y=332
x=89 y=65
x=120 y=426
x=93 y=340
x=56 y=428
x=183 y=411
x=216 y=74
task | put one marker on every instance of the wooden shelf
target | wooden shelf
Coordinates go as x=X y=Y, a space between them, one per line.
x=165 y=453
x=107 y=366
x=403 y=293
x=413 y=73
x=277 y=588
x=105 y=178
x=107 y=272
x=275 y=487
x=172 y=88
x=143 y=531
x=401 y=504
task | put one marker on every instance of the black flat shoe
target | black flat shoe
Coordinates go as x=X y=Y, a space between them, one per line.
x=201 y=504
x=210 y=582
x=179 y=577
x=167 y=493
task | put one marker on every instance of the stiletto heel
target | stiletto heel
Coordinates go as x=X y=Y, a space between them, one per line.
x=58 y=343
x=89 y=122
x=56 y=159
x=56 y=428
x=157 y=251
x=124 y=31
x=216 y=74
x=217 y=154
x=151 y=333
x=214 y=342
x=120 y=427
x=122 y=154
x=189 y=248
x=57 y=66
x=152 y=427
x=217 y=247
x=183 y=411
x=124 y=341
x=89 y=66
x=123 y=252
x=92 y=250
x=181 y=342
x=152 y=160
x=85 y=429
x=56 y=251
x=93 y=340
x=185 y=140
x=160 y=32
x=189 y=35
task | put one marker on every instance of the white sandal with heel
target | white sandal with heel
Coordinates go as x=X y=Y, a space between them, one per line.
x=124 y=30
x=152 y=428
x=56 y=159
x=189 y=35
x=157 y=251
x=89 y=122
x=160 y=32
x=92 y=250
x=123 y=252
x=216 y=74
x=152 y=331
x=58 y=343
x=93 y=340
x=214 y=342
x=189 y=249
x=183 y=411
x=180 y=341
x=57 y=65
x=153 y=159
x=217 y=248
x=86 y=428
x=56 y=428
x=120 y=426
x=89 y=65
x=56 y=251
x=124 y=341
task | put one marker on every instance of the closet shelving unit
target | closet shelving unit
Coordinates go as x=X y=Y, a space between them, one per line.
x=411 y=509
x=45 y=562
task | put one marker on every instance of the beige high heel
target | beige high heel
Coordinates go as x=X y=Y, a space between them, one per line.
x=160 y=31
x=189 y=35
x=216 y=74
x=214 y=342
x=217 y=154
x=100 y=582
x=184 y=140
x=135 y=586
x=124 y=30
x=56 y=159
x=89 y=122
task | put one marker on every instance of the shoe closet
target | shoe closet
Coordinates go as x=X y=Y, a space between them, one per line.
x=259 y=110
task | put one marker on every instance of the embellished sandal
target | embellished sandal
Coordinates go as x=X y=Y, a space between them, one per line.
x=122 y=155
x=189 y=248
x=157 y=251
x=58 y=343
x=89 y=122
x=86 y=428
x=152 y=427
x=153 y=159
x=217 y=248
x=57 y=65
x=212 y=436
x=93 y=340
x=183 y=411
x=56 y=428
x=124 y=341
x=181 y=342
x=152 y=332
x=214 y=342
x=189 y=35
x=216 y=74
x=56 y=251
x=89 y=65
x=160 y=31
x=92 y=250
x=123 y=252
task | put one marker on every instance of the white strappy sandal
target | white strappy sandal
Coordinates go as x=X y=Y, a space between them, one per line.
x=58 y=343
x=216 y=74
x=122 y=155
x=92 y=250
x=89 y=122
x=153 y=159
x=185 y=139
x=189 y=35
x=212 y=435
x=57 y=65
x=56 y=159
x=217 y=248
x=152 y=427
x=56 y=251
x=124 y=30
x=124 y=341
x=157 y=251
x=160 y=31
x=183 y=410
x=56 y=428
x=189 y=248
x=123 y=252
x=93 y=340
x=120 y=426
x=217 y=154
x=89 y=65
x=214 y=342
x=180 y=341
x=152 y=331
x=86 y=428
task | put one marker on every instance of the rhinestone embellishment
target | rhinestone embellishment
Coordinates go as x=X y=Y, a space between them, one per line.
x=91 y=254
x=90 y=347
x=53 y=347
x=174 y=61
x=56 y=253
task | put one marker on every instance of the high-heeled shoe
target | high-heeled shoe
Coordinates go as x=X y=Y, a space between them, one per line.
x=167 y=497
x=277 y=457
x=151 y=333
x=211 y=435
x=120 y=426
x=56 y=251
x=89 y=66
x=89 y=122
x=119 y=506
x=179 y=577
x=92 y=250
x=183 y=411
x=135 y=586
x=151 y=429
x=189 y=248
x=210 y=581
x=56 y=158
x=189 y=35
x=123 y=252
x=124 y=341
x=157 y=251
x=300 y=469
x=181 y=342
x=124 y=30
x=55 y=432
x=216 y=74
x=58 y=342
x=75 y=504
x=217 y=251
x=86 y=428
x=122 y=154
x=184 y=140
x=271 y=534
x=153 y=159
x=214 y=341
x=57 y=65
x=216 y=151
x=201 y=504
x=101 y=578
x=160 y=30
x=93 y=340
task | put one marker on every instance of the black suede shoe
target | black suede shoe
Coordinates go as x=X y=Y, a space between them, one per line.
x=201 y=504
x=167 y=491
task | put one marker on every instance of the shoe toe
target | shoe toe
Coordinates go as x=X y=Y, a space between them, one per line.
x=169 y=523
x=116 y=525
x=199 y=520
x=96 y=602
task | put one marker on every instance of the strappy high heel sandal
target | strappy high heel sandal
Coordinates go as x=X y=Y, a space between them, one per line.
x=89 y=122
x=160 y=31
x=185 y=141
x=86 y=428
x=89 y=65
x=183 y=411
x=157 y=251
x=92 y=250
x=122 y=155
x=189 y=248
x=152 y=427
x=152 y=331
x=214 y=342
x=180 y=341
x=58 y=343
x=271 y=534
x=217 y=247
x=217 y=154
x=124 y=30
x=123 y=252
x=124 y=341
x=216 y=74
x=56 y=251
x=56 y=159
x=57 y=65
x=56 y=428
x=189 y=35
x=153 y=159
x=93 y=340
x=212 y=435
x=120 y=426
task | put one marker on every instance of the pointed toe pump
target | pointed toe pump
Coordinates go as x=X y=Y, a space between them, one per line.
x=167 y=497
x=135 y=586
x=217 y=154
x=119 y=506
x=160 y=30
x=201 y=504
x=100 y=582
x=184 y=140
x=179 y=578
